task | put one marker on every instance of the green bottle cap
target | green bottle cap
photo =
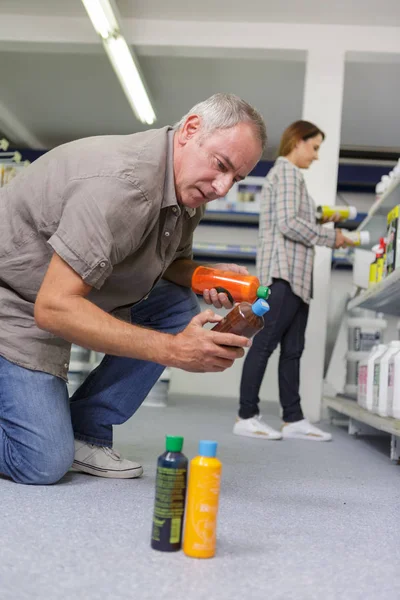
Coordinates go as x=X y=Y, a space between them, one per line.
x=263 y=292
x=173 y=443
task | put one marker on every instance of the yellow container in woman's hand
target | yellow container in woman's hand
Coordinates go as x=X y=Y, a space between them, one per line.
x=346 y=213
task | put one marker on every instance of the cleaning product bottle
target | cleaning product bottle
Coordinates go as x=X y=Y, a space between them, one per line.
x=375 y=353
x=244 y=319
x=236 y=286
x=346 y=212
x=169 y=505
x=394 y=386
x=380 y=260
x=373 y=269
x=202 y=502
x=359 y=238
x=381 y=366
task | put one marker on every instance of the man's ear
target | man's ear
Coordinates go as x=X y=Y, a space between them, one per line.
x=190 y=128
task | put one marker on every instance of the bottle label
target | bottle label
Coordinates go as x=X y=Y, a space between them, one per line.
x=169 y=505
x=364 y=341
x=203 y=511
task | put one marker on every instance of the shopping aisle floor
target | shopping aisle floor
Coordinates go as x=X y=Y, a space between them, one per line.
x=298 y=520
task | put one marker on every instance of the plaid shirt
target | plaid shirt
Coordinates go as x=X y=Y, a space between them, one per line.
x=288 y=231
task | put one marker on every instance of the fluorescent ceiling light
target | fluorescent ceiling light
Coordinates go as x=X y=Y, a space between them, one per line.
x=102 y=16
x=122 y=59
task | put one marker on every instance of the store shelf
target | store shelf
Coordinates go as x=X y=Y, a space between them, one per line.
x=376 y=220
x=351 y=409
x=231 y=251
x=382 y=297
x=230 y=216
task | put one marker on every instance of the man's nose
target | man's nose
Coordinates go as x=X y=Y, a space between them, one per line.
x=222 y=184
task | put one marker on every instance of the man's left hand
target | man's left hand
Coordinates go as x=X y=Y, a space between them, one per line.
x=221 y=300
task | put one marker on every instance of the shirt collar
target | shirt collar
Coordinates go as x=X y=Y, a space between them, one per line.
x=169 y=198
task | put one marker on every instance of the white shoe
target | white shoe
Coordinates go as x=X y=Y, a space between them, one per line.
x=303 y=430
x=255 y=427
x=103 y=462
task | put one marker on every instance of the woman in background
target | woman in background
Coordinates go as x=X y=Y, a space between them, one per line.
x=288 y=233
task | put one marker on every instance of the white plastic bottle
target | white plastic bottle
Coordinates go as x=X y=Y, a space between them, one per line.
x=381 y=375
x=375 y=353
x=393 y=386
x=362 y=379
x=359 y=238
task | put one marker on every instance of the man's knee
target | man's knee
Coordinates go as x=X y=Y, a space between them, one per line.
x=43 y=466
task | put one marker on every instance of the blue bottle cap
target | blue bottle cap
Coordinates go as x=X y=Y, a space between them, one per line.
x=260 y=307
x=207 y=448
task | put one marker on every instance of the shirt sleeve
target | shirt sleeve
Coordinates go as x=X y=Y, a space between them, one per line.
x=290 y=224
x=103 y=220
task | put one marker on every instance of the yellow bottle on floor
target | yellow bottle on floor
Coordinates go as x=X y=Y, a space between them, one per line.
x=202 y=502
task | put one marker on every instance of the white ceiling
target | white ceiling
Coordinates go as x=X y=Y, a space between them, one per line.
x=57 y=91
x=340 y=12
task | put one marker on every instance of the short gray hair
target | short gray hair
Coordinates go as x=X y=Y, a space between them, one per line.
x=223 y=111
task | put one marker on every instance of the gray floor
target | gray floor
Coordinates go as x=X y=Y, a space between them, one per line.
x=298 y=520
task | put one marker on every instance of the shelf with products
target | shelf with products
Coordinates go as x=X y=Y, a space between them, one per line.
x=376 y=220
x=382 y=297
x=246 y=253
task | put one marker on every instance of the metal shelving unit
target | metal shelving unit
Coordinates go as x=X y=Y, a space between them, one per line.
x=385 y=295
x=376 y=219
x=361 y=421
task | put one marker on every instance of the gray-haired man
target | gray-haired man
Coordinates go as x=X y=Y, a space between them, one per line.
x=96 y=249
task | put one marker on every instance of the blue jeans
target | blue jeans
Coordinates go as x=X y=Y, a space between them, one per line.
x=285 y=324
x=38 y=422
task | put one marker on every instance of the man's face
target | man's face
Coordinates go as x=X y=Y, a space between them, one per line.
x=206 y=165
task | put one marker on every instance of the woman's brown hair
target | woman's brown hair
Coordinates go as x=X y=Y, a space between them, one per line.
x=299 y=130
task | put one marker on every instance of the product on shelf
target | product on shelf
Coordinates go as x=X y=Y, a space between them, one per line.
x=366 y=377
x=377 y=267
x=393 y=394
x=381 y=375
x=346 y=213
x=393 y=243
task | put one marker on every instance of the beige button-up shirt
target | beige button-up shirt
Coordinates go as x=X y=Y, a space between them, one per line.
x=107 y=206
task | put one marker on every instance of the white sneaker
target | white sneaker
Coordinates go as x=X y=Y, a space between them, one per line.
x=255 y=427
x=103 y=462
x=303 y=430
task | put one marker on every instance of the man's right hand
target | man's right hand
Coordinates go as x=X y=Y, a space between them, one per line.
x=200 y=350
x=341 y=240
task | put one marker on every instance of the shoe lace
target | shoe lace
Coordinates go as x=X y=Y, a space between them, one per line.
x=111 y=452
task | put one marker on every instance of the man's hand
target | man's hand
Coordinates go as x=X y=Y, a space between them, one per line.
x=200 y=350
x=341 y=240
x=221 y=300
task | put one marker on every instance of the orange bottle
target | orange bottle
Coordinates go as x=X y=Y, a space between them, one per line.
x=202 y=502
x=238 y=287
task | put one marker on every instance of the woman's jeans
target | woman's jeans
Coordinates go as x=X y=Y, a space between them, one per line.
x=38 y=422
x=285 y=324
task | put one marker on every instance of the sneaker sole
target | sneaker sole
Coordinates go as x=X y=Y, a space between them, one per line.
x=308 y=438
x=259 y=436
x=99 y=472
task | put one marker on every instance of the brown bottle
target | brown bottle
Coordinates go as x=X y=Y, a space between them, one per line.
x=244 y=319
